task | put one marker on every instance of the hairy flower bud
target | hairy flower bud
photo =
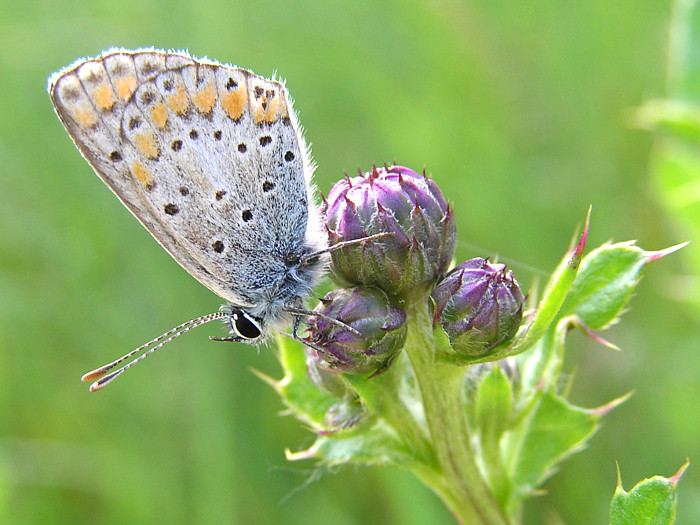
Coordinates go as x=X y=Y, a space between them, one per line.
x=412 y=209
x=348 y=413
x=370 y=332
x=323 y=378
x=480 y=306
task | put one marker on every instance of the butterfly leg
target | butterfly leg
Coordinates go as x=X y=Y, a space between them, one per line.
x=296 y=323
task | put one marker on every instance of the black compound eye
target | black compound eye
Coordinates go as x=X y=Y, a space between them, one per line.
x=292 y=259
x=245 y=326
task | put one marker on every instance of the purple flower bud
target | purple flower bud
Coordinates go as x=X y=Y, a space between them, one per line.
x=392 y=200
x=374 y=334
x=479 y=305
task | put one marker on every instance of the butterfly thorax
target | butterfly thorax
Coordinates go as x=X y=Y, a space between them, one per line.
x=269 y=306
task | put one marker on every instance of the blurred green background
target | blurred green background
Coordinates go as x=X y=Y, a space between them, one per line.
x=521 y=112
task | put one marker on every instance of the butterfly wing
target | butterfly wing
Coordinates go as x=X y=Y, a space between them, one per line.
x=209 y=158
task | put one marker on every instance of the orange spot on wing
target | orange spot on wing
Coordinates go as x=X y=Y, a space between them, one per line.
x=104 y=97
x=235 y=102
x=159 y=115
x=142 y=175
x=125 y=86
x=146 y=143
x=86 y=116
x=258 y=110
x=179 y=101
x=272 y=112
x=284 y=112
x=205 y=98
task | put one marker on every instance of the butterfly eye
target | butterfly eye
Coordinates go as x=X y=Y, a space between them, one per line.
x=244 y=325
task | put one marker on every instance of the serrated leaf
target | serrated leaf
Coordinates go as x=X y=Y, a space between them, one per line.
x=652 y=501
x=554 y=296
x=604 y=284
x=553 y=430
x=300 y=395
x=378 y=446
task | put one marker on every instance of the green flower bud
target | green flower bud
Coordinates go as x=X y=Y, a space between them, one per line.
x=324 y=378
x=412 y=209
x=479 y=305
x=348 y=412
x=348 y=415
x=370 y=332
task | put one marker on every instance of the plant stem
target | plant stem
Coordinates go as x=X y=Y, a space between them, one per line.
x=464 y=489
x=381 y=395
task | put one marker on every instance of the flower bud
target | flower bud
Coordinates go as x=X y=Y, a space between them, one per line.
x=480 y=306
x=412 y=209
x=323 y=378
x=369 y=335
x=346 y=416
x=348 y=412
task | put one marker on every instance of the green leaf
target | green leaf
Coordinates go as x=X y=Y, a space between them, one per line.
x=604 y=284
x=493 y=404
x=493 y=410
x=378 y=446
x=553 y=430
x=554 y=296
x=652 y=501
x=308 y=403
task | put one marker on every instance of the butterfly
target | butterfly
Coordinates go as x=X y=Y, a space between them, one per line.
x=210 y=158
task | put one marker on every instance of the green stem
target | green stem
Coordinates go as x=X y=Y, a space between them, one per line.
x=464 y=489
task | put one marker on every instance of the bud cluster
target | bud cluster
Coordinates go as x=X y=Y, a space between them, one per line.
x=361 y=329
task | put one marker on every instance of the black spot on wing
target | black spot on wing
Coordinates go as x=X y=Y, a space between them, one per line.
x=171 y=209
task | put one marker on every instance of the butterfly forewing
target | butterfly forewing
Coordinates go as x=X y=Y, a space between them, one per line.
x=208 y=157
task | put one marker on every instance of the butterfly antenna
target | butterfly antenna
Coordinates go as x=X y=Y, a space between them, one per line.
x=159 y=341
x=343 y=244
x=311 y=313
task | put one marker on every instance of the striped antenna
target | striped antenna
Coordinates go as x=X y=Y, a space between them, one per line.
x=342 y=244
x=159 y=341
